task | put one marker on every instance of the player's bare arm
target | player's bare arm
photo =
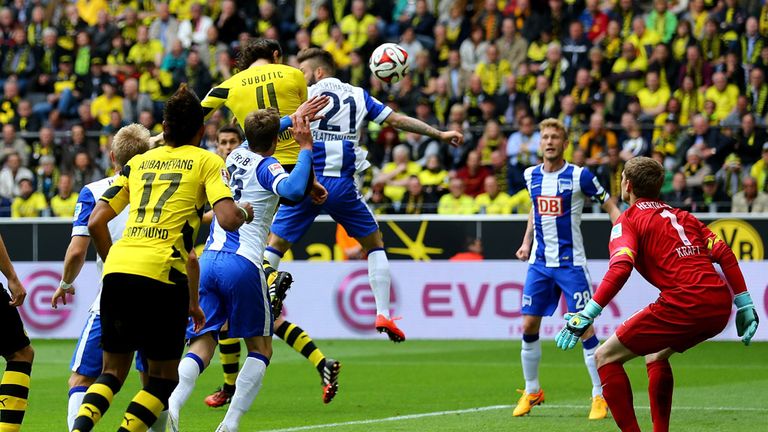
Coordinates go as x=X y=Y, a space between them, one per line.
x=612 y=209
x=73 y=263
x=525 y=248
x=193 y=278
x=98 y=228
x=18 y=293
x=410 y=124
x=310 y=108
x=232 y=215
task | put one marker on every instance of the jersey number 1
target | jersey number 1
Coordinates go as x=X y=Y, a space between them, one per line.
x=149 y=179
x=679 y=228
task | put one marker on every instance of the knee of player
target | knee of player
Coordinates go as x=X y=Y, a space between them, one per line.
x=77 y=380
x=531 y=324
x=601 y=357
x=279 y=243
x=26 y=354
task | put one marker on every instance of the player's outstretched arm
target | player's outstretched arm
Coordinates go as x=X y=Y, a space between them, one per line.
x=18 y=293
x=612 y=209
x=98 y=228
x=410 y=124
x=294 y=185
x=73 y=263
x=578 y=323
x=746 y=314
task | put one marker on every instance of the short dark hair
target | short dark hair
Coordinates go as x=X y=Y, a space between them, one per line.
x=319 y=57
x=258 y=49
x=646 y=176
x=261 y=128
x=230 y=129
x=182 y=117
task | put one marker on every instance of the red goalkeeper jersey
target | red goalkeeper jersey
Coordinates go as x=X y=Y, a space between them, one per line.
x=671 y=249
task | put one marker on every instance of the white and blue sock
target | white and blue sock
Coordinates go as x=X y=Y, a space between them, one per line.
x=590 y=346
x=273 y=256
x=246 y=388
x=190 y=367
x=530 y=356
x=76 y=395
x=380 y=279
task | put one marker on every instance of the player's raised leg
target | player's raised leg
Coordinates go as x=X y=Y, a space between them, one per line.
x=610 y=358
x=380 y=280
x=661 y=383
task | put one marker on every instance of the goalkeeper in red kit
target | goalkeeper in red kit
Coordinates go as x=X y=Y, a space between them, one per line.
x=675 y=252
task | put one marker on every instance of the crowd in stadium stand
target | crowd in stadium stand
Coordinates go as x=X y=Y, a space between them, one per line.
x=682 y=81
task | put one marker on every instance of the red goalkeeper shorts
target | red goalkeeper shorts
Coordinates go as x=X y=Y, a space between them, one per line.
x=657 y=327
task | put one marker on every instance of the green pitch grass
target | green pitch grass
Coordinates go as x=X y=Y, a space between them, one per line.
x=718 y=387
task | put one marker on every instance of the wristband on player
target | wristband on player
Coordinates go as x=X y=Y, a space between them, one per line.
x=245 y=214
x=743 y=300
x=65 y=286
x=592 y=309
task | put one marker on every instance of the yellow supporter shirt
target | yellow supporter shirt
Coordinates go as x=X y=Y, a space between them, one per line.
x=484 y=204
x=630 y=86
x=147 y=52
x=520 y=202
x=395 y=193
x=154 y=86
x=102 y=107
x=30 y=207
x=492 y=75
x=181 y=8
x=646 y=43
x=725 y=101
x=759 y=172
x=167 y=189
x=321 y=34
x=650 y=99
x=357 y=31
x=64 y=207
x=429 y=178
x=448 y=205
x=258 y=87
x=340 y=53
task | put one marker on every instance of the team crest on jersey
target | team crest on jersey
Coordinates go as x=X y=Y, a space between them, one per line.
x=564 y=185
x=615 y=232
x=549 y=206
x=276 y=168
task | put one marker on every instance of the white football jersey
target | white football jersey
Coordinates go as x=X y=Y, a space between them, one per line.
x=86 y=201
x=350 y=108
x=252 y=178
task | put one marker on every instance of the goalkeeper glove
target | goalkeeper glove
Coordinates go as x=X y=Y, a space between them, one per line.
x=746 y=317
x=576 y=324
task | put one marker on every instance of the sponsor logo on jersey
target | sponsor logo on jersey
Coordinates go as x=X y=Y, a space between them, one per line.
x=225 y=175
x=615 y=231
x=549 y=206
x=276 y=169
x=78 y=209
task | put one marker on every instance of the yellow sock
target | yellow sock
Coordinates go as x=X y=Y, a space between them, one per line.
x=96 y=402
x=14 y=390
x=229 y=353
x=299 y=340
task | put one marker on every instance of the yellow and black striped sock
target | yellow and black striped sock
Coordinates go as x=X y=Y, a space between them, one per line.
x=229 y=353
x=147 y=405
x=96 y=402
x=14 y=390
x=297 y=338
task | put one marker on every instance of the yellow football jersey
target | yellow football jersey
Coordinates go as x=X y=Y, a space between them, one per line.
x=258 y=87
x=167 y=189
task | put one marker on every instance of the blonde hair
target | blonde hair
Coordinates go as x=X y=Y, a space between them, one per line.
x=129 y=141
x=556 y=124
